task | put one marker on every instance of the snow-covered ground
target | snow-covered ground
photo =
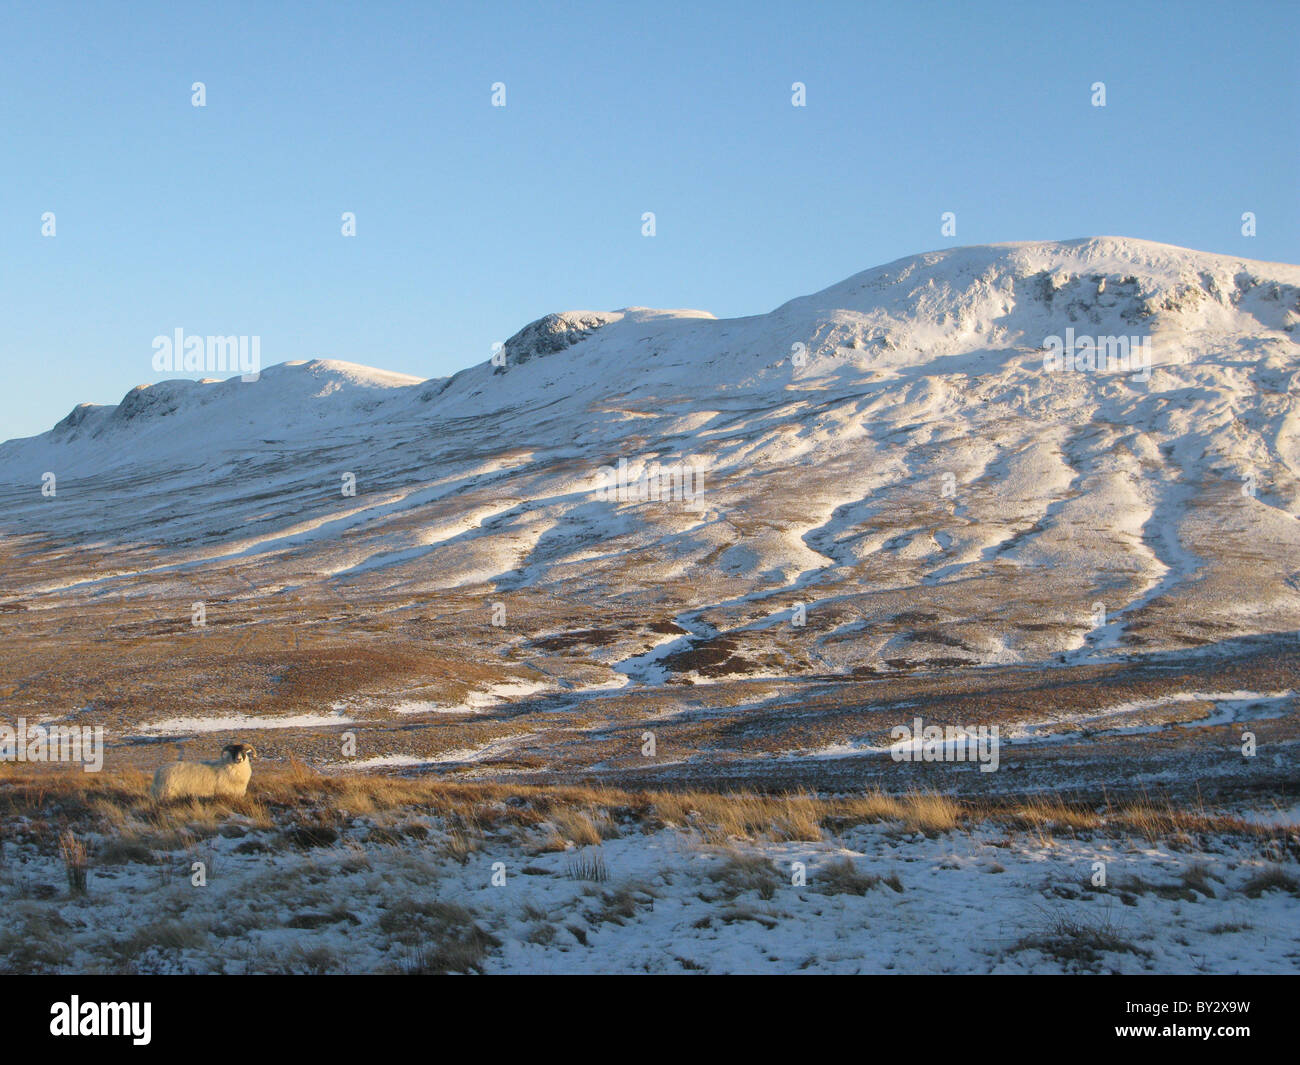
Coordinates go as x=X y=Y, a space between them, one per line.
x=412 y=890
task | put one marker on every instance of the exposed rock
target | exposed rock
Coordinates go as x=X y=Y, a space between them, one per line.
x=553 y=333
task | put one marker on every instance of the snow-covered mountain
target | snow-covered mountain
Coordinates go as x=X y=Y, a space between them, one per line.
x=823 y=511
x=891 y=447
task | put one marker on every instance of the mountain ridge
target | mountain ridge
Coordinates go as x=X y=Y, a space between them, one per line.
x=848 y=323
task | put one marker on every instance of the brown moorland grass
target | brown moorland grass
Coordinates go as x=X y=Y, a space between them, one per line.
x=118 y=802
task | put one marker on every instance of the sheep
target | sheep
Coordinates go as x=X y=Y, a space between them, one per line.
x=227 y=778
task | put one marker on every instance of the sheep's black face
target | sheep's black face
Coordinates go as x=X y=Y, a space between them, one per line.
x=238 y=752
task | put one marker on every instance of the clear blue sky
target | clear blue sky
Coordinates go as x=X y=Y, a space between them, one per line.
x=474 y=220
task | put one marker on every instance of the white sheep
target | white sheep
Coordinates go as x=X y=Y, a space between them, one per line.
x=227 y=778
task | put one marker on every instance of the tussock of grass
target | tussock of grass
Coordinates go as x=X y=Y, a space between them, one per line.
x=931 y=814
x=622 y=905
x=76 y=863
x=1129 y=887
x=442 y=937
x=735 y=914
x=307 y=833
x=124 y=849
x=464 y=834
x=542 y=934
x=1078 y=944
x=588 y=865
x=166 y=934
x=741 y=873
x=1197 y=878
x=338 y=915
x=1274 y=878
x=843 y=877
x=576 y=826
x=720 y=818
x=723 y=817
x=1054 y=813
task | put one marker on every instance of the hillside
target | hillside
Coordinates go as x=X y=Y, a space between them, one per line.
x=888 y=498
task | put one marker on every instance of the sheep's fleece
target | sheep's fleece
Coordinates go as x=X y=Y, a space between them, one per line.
x=227 y=778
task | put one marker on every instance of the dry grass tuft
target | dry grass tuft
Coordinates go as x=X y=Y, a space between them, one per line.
x=741 y=873
x=1054 y=813
x=588 y=865
x=843 y=877
x=76 y=863
x=1274 y=878
x=442 y=937
x=930 y=813
x=1078 y=944
x=580 y=827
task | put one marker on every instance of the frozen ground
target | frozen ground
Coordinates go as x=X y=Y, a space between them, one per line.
x=492 y=888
